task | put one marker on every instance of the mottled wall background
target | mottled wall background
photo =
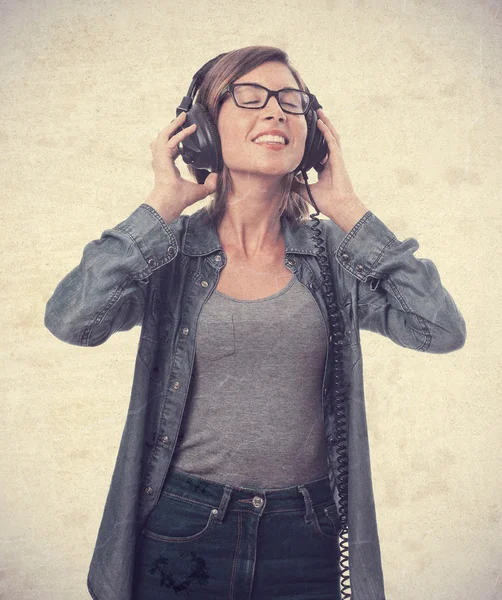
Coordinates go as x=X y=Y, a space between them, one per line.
x=414 y=89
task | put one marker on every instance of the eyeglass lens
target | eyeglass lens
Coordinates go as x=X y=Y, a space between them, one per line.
x=250 y=96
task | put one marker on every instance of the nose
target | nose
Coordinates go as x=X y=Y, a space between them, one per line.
x=274 y=107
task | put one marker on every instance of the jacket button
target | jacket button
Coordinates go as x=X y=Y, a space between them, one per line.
x=345 y=257
x=217 y=257
x=359 y=268
x=170 y=251
x=176 y=385
x=164 y=439
x=185 y=330
x=152 y=262
x=204 y=283
x=148 y=490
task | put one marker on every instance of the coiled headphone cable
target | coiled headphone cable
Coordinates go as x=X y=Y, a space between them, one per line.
x=338 y=390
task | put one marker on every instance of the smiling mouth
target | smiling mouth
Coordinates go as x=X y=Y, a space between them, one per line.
x=271 y=145
x=275 y=141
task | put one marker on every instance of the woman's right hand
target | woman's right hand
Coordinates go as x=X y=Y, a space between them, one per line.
x=169 y=185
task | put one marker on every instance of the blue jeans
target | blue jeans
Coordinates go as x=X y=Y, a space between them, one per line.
x=207 y=540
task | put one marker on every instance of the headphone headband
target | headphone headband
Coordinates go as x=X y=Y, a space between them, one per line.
x=201 y=73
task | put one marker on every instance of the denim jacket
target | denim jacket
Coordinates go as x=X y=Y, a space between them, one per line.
x=156 y=275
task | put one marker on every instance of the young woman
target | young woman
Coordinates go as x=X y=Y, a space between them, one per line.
x=224 y=485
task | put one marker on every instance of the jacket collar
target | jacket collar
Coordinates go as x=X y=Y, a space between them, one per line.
x=202 y=236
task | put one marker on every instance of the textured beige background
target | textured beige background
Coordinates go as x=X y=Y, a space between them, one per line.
x=414 y=89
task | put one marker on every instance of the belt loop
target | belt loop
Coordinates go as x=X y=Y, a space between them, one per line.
x=225 y=499
x=308 y=504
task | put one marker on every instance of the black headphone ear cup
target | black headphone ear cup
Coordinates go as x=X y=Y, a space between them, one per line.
x=316 y=147
x=309 y=143
x=209 y=126
x=313 y=144
x=202 y=149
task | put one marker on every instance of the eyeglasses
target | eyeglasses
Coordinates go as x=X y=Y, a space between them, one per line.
x=253 y=96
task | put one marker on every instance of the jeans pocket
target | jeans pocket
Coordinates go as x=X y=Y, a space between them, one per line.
x=326 y=520
x=176 y=519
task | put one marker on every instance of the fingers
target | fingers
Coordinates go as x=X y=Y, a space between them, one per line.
x=167 y=141
x=324 y=117
x=172 y=143
x=328 y=136
x=327 y=128
x=167 y=132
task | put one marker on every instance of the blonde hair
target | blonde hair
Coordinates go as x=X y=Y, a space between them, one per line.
x=230 y=67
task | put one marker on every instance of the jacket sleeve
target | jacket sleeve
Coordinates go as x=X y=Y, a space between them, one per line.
x=400 y=296
x=107 y=291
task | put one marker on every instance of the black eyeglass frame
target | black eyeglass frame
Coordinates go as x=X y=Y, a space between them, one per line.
x=231 y=86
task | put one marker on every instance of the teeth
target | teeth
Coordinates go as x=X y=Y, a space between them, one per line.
x=271 y=138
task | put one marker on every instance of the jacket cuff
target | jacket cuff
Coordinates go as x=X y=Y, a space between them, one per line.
x=362 y=248
x=153 y=236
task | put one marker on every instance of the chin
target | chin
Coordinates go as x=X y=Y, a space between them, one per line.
x=273 y=168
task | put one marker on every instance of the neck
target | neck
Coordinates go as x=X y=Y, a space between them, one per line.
x=250 y=226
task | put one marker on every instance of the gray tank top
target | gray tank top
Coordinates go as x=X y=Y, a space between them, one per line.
x=253 y=416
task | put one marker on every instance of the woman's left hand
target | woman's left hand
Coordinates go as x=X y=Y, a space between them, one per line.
x=333 y=192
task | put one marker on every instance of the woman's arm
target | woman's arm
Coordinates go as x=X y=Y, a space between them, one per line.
x=408 y=304
x=107 y=291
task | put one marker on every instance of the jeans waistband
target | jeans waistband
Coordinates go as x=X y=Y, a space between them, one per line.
x=262 y=500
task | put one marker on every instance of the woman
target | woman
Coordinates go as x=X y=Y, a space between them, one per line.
x=257 y=169
x=224 y=480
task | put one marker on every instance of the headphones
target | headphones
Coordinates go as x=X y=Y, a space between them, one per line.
x=202 y=149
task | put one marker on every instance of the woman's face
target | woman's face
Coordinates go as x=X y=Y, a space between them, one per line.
x=239 y=126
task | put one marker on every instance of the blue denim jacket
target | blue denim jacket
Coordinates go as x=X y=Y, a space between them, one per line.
x=157 y=275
